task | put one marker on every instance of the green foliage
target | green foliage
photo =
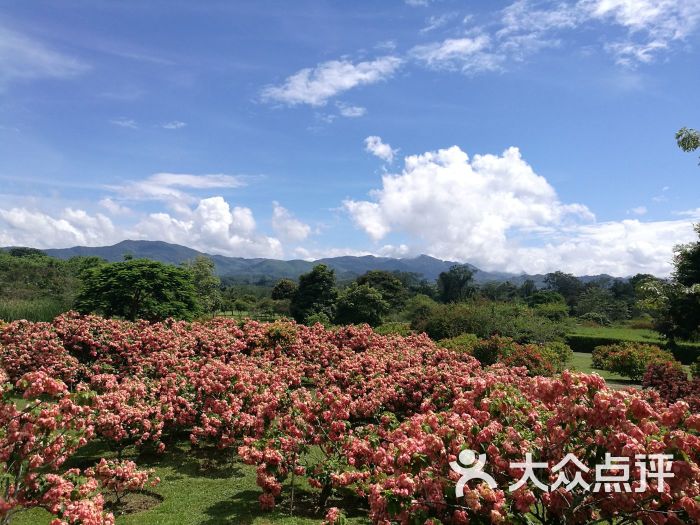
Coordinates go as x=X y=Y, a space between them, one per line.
x=560 y=354
x=461 y=343
x=601 y=301
x=39 y=309
x=206 y=284
x=388 y=284
x=485 y=319
x=629 y=359
x=418 y=308
x=284 y=289
x=316 y=294
x=456 y=284
x=36 y=287
x=488 y=351
x=360 y=303
x=138 y=289
x=596 y=318
x=557 y=312
x=678 y=302
x=394 y=328
x=565 y=284
x=688 y=139
x=319 y=317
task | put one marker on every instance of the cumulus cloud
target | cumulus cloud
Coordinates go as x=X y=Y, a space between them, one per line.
x=315 y=86
x=113 y=206
x=286 y=226
x=496 y=212
x=24 y=227
x=375 y=146
x=24 y=58
x=213 y=227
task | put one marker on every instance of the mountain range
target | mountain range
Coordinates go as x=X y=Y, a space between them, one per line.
x=266 y=270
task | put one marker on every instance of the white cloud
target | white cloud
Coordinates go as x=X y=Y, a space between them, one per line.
x=167 y=186
x=123 y=122
x=212 y=227
x=468 y=54
x=348 y=111
x=639 y=210
x=113 y=206
x=497 y=213
x=286 y=226
x=376 y=147
x=418 y=3
x=437 y=21
x=24 y=58
x=174 y=124
x=21 y=226
x=315 y=86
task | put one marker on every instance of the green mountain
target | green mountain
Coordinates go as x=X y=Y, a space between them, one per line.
x=269 y=270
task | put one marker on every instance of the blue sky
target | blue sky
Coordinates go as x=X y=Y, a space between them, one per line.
x=517 y=135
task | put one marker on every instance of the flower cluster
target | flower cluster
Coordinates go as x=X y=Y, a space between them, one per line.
x=347 y=409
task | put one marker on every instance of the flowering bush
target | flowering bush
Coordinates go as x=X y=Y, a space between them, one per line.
x=383 y=416
x=629 y=359
x=672 y=383
x=121 y=477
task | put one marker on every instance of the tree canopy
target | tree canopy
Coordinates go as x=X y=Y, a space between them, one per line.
x=456 y=284
x=688 y=139
x=138 y=289
x=316 y=294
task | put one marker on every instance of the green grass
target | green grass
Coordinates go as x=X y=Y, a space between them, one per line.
x=582 y=362
x=32 y=309
x=207 y=487
x=618 y=332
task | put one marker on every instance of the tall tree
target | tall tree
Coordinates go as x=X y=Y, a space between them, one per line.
x=679 y=299
x=138 y=289
x=360 y=303
x=206 y=283
x=316 y=294
x=456 y=284
x=389 y=285
x=566 y=284
x=284 y=289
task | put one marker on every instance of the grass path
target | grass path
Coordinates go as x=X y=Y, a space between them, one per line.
x=206 y=487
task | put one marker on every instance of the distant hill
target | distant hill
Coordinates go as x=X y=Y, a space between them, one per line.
x=260 y=269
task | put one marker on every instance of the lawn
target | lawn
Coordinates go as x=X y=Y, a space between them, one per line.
x=583 y=362
x=618 y=332
x=205 y=486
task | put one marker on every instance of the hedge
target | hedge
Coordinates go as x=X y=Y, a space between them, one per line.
x=686 y=353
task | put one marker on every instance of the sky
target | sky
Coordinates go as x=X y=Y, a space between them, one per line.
x=517 y=135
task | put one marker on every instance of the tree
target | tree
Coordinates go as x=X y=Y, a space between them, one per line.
x=316 y=294
x=21 y=251
x=284 y=289
x=527 y=289
x=360 y=303
x=206 y=283
x=138 y=289
x=678 y=302
x=688 y=139
x=389 y=285
x=455 y=285
x=566 y=284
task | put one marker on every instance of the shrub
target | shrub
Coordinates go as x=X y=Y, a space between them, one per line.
x=596 y=318
x=490 y=350
x=537 y=359
x=461 y=343
x=553 y=311
x=394 y=328
x=629 y=359
x=485 y=318
x=672 y=383
x=560 y=354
